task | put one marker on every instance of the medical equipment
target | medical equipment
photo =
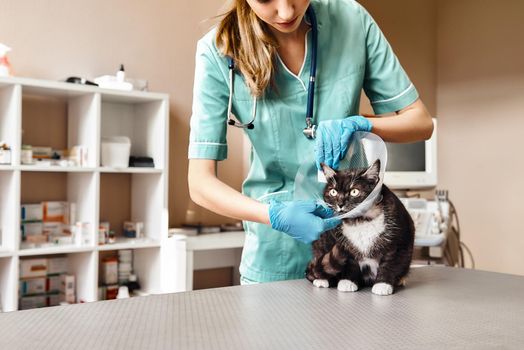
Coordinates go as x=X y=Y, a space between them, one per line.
x=309 y=130
x=117 y=81
x=431 y=219
x=364 y=149
x=80 y=80
x=412 y=165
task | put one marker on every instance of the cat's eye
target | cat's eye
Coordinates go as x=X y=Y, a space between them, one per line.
x=333 y=192
x=354 y=192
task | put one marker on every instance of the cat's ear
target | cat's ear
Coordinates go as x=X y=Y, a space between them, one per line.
x=373 y=172
x=328 y=172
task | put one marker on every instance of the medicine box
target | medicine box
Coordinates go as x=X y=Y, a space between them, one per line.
x=67 y=284
x=32 y=212
x=36 y=239
x=52 y=228
x=32 y=228
x=33 y=268
x=56 y=266
x=32 y=302
x=54 y=211
x=53 y=283
x=53 y=299
x=33 y=233
x=111 y=292
x=32 y=286
x=110 y=271
x=39 y=285
x=69 y=298
x=67 y=288
x=129 y=229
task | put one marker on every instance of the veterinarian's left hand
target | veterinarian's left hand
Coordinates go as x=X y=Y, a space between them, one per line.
x=304 y=220
x=333 y=137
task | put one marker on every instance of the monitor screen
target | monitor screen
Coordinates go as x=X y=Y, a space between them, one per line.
x=412 y=165
x=406 y=157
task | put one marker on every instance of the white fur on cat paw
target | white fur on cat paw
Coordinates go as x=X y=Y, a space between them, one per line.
x=321 y=283
x=382 y=289
x=347 y=286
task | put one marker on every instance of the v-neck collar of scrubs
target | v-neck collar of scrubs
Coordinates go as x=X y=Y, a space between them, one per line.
x=297 y=83
x=302 y=79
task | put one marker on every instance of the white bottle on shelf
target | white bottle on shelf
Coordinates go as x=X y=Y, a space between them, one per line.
x=121 y=74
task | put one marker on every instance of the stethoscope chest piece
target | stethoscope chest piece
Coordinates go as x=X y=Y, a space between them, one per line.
x=309 y=131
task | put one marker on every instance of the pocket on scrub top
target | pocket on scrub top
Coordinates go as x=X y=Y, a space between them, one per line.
x=341 y=98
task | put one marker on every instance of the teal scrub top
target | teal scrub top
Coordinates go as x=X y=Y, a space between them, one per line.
x=353 y=54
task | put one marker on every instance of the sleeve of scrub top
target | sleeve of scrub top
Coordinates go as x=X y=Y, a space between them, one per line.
x=386 y=84
x=207 y=139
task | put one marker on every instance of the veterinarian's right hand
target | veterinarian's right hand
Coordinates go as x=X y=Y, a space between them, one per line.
x=303 y=220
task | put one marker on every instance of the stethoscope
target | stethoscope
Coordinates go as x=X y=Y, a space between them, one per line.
x=309 y=130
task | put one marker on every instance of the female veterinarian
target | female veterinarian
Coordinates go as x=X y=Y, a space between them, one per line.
x=290 y=73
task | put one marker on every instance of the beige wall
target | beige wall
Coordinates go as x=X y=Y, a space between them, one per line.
x=410 y=27
x=481 y=108
x=470 y=74
x=155 y=39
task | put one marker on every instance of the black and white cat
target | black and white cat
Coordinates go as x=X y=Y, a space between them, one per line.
x=372 y=250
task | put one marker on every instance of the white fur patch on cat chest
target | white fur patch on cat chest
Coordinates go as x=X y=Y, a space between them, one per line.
x=363 y=234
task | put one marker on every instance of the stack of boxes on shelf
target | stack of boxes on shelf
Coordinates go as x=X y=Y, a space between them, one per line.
x=125 y=265
x=45 y=282
x=52 y=223
x=46 y=156
x=117 y=271
x=132 y=230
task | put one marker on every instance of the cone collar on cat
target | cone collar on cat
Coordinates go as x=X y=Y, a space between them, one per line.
x=364 y=149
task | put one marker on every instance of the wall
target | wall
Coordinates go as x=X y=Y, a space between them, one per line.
x=465 y=58
x=480 y=106
x=155 y=39
x=410 y=27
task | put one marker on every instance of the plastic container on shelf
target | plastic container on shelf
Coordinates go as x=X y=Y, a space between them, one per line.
x=115 y=151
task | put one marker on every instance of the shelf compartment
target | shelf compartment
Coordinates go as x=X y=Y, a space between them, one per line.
x=136 y=198
x=143 y=122
x=61 y=121
x=8 y=283
x=9 y=209
x=146 y=265
x=80 y=188
x=83 y=265
x=10 y=96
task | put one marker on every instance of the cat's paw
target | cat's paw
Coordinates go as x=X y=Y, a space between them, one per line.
x=382 y=289
x=402 y=282
x=347 y=286
x=321 y=283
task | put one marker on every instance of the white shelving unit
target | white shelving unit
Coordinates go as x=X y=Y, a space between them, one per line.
x=140 y=194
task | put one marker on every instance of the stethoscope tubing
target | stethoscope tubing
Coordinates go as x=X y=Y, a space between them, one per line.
x=233 y=120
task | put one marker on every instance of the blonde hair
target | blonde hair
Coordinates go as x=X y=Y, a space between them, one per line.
x=247 y=39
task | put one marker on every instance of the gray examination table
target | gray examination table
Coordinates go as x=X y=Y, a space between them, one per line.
x=441 y=308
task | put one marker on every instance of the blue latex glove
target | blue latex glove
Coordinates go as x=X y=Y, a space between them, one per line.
x=333 y=138
x=303 y=220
